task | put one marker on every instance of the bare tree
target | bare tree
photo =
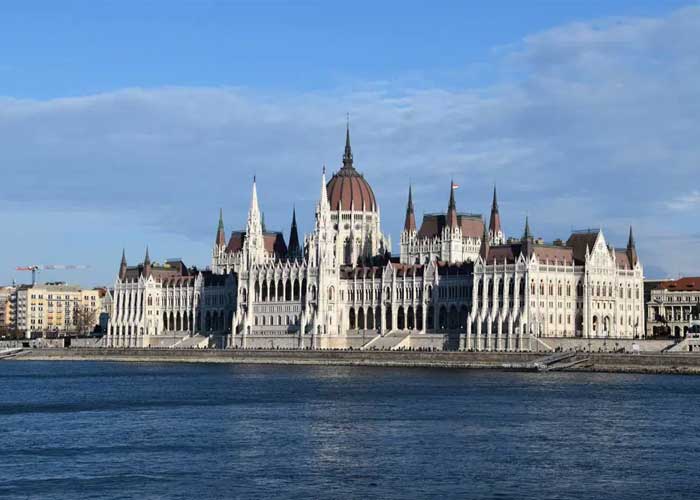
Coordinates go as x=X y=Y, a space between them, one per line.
x=84 y=319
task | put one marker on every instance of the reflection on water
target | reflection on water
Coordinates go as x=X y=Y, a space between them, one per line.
x=109 y=430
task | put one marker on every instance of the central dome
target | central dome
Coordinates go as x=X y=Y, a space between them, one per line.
x=348 y=188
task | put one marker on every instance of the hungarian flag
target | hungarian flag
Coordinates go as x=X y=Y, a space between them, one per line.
x=455 y=185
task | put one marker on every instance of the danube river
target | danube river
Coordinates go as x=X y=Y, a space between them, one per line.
x=197 y=431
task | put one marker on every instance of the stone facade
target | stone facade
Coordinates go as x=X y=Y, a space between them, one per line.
x=455 y=277
x=457 y=283
x=673 y=305
x=152 y=303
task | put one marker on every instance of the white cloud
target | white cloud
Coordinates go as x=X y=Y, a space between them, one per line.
x=689 y=201
x=596 y=124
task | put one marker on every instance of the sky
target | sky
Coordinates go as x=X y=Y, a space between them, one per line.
x=129 y=124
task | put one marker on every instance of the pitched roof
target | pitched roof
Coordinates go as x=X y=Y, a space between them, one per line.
x=622 y=259
x=554 y=254
x=164 y=273
x=274 y=243
x=433 y=224
x=688 y=284
x=579 y=241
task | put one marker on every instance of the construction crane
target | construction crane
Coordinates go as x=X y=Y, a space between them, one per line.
x=49 y=267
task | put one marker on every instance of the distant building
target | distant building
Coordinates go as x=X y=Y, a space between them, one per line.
x=54 y=308
x=8 y=301
x=672 y=305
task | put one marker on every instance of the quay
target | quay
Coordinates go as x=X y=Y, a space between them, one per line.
x=679 y=363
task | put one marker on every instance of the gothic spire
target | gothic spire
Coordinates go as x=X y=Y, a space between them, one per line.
x=324 y=192
x=347 y=156
x=255 y=224
x=220 y=234
x=495 y=220
x=630 y=240
x=254 y=197
x=410 y=222
x=122 y=266
x=294 y=249
x=528 y=241
x=632 y=249
x=485 y=245
x=527 y=234
x=452 y=207
x=147 y=264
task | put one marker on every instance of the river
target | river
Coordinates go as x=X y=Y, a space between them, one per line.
x=104 y=430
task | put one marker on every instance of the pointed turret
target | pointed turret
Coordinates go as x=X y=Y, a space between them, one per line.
x=147 y=264
x=323 y=200
x=254 y=244
x=452 y=208
x=294 y=249
x=410 y=222
x=122 y=266
x=632 y=249
x=527 y=235
x=254 y=208
x=347 y=156
x=220 y=233
x=528 y=241
x=485 y=245
x=495 y=232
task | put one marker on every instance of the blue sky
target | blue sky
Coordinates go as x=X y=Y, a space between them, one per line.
x=130 y=123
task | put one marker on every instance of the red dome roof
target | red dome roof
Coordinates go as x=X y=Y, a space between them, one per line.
x=348 y=187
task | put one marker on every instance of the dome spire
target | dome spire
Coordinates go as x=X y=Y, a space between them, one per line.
x=347 y=156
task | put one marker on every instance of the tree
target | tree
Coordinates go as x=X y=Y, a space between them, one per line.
x=84 y=319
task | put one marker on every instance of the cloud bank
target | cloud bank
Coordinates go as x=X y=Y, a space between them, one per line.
x=590 y=124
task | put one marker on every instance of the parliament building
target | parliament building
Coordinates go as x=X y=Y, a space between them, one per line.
x=457 y=283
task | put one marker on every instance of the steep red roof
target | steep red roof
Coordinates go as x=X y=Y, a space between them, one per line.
x=579 y=242
x=433 y=224
x=622 y=259
x=689 y=284
x=499 y=253
x=554 y=254
x=274 y=243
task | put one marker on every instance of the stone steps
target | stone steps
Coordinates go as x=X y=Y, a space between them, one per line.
x=387 y=342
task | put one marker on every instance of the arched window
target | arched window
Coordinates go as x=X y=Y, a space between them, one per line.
x=331 y=292
x=351 y=318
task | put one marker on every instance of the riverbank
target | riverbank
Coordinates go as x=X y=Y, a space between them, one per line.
x=613 y=363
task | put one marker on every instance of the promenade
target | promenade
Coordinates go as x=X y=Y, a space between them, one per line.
x=579 y=362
